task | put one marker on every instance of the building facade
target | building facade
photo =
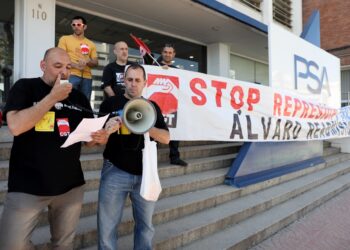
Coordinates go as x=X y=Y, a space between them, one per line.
x=224 y=37
x=335 y=35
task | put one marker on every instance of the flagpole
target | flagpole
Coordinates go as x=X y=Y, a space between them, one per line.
x=154 y=60
x=143 y=46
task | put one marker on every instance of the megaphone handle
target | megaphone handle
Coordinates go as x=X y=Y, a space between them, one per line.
x=147 y=137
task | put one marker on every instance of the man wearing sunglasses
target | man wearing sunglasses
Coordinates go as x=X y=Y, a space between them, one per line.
x=83 y=55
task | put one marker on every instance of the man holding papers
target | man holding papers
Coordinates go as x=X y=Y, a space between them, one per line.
x=41 y=113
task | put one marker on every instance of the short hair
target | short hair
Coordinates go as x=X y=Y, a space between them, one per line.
x=79 y=17
x=121 y=41
x=168 y=45
x=136 y=66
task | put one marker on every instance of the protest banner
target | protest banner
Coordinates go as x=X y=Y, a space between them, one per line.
x=198 y=106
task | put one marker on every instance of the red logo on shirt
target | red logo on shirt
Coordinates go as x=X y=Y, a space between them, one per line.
x=84 y=48
x=164 y=91
x=63 y=126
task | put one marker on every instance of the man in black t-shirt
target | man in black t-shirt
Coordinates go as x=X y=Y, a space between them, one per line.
x=122 y=170
x=113 y=73
x=41 y=113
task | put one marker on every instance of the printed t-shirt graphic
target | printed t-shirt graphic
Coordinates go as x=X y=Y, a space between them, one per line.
x=84 y=49
x=63 y=126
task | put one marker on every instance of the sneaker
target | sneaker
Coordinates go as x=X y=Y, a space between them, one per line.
x=178 y=161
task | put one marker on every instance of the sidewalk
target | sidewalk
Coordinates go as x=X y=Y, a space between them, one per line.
x=325 y=228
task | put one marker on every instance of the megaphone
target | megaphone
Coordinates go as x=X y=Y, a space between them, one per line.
x=139 y=115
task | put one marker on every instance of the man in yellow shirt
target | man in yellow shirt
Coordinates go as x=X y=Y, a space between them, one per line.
x=83 y=55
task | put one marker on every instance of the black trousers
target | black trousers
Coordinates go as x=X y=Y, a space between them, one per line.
x=174 y=150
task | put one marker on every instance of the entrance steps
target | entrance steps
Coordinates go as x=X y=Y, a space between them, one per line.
x=196 y=210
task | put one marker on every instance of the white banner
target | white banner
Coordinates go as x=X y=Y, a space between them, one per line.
x=197 y=106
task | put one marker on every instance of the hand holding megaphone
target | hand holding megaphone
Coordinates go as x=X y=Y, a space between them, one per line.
x=113 y=124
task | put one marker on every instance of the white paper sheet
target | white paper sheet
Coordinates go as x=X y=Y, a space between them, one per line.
x=84 y=130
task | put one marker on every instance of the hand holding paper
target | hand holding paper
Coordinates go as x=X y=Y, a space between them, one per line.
x=84 y=130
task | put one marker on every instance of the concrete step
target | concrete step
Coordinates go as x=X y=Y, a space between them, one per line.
x=255 y=229
x=196 y=165
x=196 y=151
x=166 y=170
x=5 y=135
x=326 y=144
x=171 y=186
x=201 y=205
x=178 y=233
x=90 y=197
x=5 y=149
x=185 y=149
x=94 y=161
x=92 y=177
x=330 y=151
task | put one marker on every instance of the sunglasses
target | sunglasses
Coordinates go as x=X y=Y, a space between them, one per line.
x=77 y=24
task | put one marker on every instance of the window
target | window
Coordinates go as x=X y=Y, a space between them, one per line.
x=345 y=88
x=245 y=69
x=255 y=4
x=282 y=12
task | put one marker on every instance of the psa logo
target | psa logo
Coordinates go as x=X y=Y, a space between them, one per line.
x=314 y=77
x=164 y=91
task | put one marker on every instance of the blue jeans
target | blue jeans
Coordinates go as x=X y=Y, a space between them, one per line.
x=115 y=185
x=84 y=85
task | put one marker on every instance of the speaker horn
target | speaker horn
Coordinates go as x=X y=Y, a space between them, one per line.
x=139 y=115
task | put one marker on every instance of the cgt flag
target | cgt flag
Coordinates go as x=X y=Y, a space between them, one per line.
x=143 y=47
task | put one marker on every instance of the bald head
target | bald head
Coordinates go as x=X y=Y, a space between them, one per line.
x=121 y=51
x=55 y=62
x=53 y=52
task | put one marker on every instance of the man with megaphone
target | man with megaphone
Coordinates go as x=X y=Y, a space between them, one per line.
x=121 y=174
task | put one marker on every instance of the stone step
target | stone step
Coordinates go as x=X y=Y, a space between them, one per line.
x=163 y=154
x=196 y=165
x=5 y=135
x=92 y=160
x=178 y=233
x=330 y=151
x=201 y=205
x=5 y=149
x=92 y=178
x=255 y=229
x=326 y=144
x=90 y=197
x=196 y=151
x=171 y=186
